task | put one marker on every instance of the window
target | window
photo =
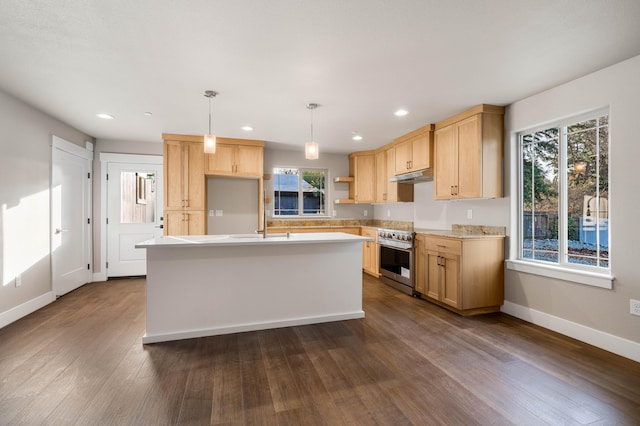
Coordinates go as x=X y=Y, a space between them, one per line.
x=564 y=194
x=299 y=191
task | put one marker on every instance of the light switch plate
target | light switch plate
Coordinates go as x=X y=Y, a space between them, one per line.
x=218 y=212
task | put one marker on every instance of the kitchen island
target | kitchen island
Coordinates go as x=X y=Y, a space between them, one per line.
x=218 y=284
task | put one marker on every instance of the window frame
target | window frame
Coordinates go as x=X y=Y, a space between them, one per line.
x=301 y=213
x=562 y=270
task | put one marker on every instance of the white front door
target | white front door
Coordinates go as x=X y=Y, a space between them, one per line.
x=134 y=214
x=70 y=216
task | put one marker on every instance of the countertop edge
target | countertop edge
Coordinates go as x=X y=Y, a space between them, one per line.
x=231 y=240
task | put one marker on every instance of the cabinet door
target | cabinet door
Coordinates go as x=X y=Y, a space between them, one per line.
x=370 y=251
x=446 y=164
x=403 y=157
x=366 y=258
x=249 y=161
x=174 y=223
x=194 y=175
x=392 y=187
x=469 y=138
x=421 y=265
x=222 y=162
x=420 y=152
x=451 y=289
x=173 y=176
x=433 y=275
x=381 y=178
x=194 y=223
x=364 y=178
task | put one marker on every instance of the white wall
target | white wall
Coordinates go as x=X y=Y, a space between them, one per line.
x=606 y=311
x=25 y=170
x=237 y=201
x=427 y=213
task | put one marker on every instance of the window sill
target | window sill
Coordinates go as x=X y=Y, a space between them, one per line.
x=580 y=277
x=303 y=217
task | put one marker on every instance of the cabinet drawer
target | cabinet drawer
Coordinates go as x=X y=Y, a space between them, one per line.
x=444 y=245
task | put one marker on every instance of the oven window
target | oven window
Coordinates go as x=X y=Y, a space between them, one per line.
x=393 y=260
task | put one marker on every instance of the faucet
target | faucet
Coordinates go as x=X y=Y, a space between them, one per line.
x=263 y=231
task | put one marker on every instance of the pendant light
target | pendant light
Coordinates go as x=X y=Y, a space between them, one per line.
x=210 y=138
x=311 y=148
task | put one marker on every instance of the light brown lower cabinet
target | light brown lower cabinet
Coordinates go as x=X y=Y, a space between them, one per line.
x=370 y=258
x=184 y=222
x=464 y=275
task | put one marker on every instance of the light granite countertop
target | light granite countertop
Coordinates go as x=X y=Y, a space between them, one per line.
x=466 y=231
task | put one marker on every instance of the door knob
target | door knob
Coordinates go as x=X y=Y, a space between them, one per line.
x=60 y=231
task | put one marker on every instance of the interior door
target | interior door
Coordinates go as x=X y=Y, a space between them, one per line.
x=134 y=214
x=70 y=216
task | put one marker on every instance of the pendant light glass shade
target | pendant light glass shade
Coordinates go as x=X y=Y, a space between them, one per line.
x=311 y=151
x=210 y=144
x=210 y=138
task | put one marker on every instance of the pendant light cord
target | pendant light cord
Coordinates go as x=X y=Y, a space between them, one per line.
x=311 y=124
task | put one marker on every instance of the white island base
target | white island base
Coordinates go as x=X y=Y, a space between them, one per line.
x=210 y=285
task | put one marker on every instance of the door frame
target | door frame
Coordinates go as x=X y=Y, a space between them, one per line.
x=87 y=154
x=105 y=159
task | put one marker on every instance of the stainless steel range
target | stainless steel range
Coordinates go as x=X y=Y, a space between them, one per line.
x=396 y=259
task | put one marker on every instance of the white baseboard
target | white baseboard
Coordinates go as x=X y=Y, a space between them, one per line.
x=608 y=342
x=25 y=309
x=192 y=334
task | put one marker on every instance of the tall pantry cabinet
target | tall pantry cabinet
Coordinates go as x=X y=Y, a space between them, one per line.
x=184 y=185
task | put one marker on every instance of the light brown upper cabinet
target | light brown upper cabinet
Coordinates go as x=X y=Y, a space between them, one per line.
x=469 y=154
x=382 y=192
x=236 y=157
x=184 y=185
x=414 y=151
x=362 y=166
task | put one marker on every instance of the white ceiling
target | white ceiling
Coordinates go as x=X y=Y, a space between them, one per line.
x=359 y=59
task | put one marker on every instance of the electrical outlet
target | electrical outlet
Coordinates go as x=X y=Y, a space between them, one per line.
x=634 y=307
x=365 y=213
x=388 y=213
x=469 y=214
x=18 y=280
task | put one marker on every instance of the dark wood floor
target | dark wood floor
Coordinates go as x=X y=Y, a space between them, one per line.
x=80 y=361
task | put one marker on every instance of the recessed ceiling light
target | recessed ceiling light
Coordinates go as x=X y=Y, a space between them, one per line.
x=148 y=113
x=105 y=116
x=357 y=138
x=401 y=113
x=247 y=128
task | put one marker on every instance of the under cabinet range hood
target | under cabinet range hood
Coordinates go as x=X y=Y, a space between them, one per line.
x=418 y=176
